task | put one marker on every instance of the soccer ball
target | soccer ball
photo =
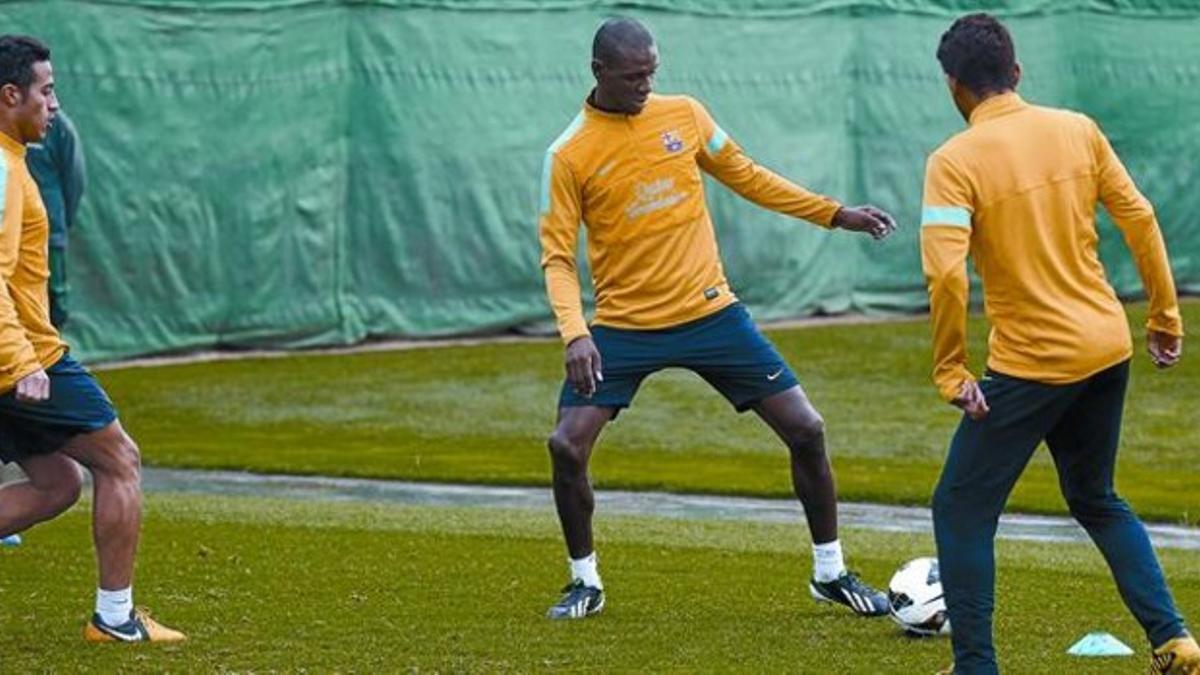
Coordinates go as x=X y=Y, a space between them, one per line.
x=915 y=598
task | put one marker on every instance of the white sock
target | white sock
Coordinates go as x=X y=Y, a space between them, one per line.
x=584 y=569
x=827 y=561
x=114 y=607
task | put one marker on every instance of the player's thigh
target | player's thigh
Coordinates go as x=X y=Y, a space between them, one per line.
x=578 y=427
x=109 y=449
x=737 y=360
x=987 y=456
x=77 y=406
x=627 y=357
x=790 y=414
x=52 y=472
x=1085 y=440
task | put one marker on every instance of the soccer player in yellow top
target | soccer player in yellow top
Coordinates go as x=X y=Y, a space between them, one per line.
x=628 y=167
x=1017 y=191
x=53 y=413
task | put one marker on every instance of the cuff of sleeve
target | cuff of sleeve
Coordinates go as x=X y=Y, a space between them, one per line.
x=951 y=384
x=1171 y=324
x=826 y=219
x=573 y=333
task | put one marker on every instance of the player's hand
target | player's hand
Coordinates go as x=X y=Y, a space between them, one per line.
x=583 y=366
x=972 y=401
x=33 y=387
x=1165 y=349
x=874 y=221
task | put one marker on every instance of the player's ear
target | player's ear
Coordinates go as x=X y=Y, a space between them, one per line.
x=1016 y=76
x=597 y=68
x=10 y=95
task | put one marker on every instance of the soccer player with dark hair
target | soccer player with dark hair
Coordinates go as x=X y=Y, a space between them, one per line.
x=53 y=413
x=1017 y=192
x=628 y=168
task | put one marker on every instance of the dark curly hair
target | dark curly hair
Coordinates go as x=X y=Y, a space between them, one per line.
x=978 y=52
x=18 y=53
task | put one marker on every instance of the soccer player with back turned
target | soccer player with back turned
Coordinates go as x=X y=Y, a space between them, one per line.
x=1017 y=191
x=53 y=413
x=628 y=167
x=58 y=168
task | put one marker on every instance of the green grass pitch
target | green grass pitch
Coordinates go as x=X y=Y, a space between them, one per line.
x=293 y=586
x=481 y=414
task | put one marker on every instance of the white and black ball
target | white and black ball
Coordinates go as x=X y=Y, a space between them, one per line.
x=915 y=598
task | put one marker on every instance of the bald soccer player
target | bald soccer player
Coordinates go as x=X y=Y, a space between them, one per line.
x=628 y=168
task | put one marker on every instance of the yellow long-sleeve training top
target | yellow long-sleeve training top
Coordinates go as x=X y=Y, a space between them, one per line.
x=634 y=182
x=1017 y=190
x=27 y=339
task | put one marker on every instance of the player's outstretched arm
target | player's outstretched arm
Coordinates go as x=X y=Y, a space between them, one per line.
x=720 y=157
x=869 y=219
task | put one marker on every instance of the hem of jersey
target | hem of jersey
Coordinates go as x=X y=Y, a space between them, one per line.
x=674 y=323
x=1019 y=372
x=54 y=356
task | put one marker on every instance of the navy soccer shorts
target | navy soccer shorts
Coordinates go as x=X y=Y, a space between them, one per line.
x=77 y=405
x=725 y=348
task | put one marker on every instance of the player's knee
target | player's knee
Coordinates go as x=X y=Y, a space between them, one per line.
x=961 y=510
x=126 y=460
x=1098 y=509
x=65 y=490
x=803 y=433
x=566 y=453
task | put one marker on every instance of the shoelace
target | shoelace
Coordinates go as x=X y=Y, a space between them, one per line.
x=1161 y=662
x=143 y=616
x=856 y=584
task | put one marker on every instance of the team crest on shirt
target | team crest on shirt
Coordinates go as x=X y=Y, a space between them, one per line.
x=671 y=141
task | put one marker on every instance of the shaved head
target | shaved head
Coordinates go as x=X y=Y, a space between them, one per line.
x=618 y=37
x=624 y=61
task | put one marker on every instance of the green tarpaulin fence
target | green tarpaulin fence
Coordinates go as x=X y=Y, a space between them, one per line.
x=297 y=173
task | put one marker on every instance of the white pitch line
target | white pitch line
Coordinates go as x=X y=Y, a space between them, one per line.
x=662 y=504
